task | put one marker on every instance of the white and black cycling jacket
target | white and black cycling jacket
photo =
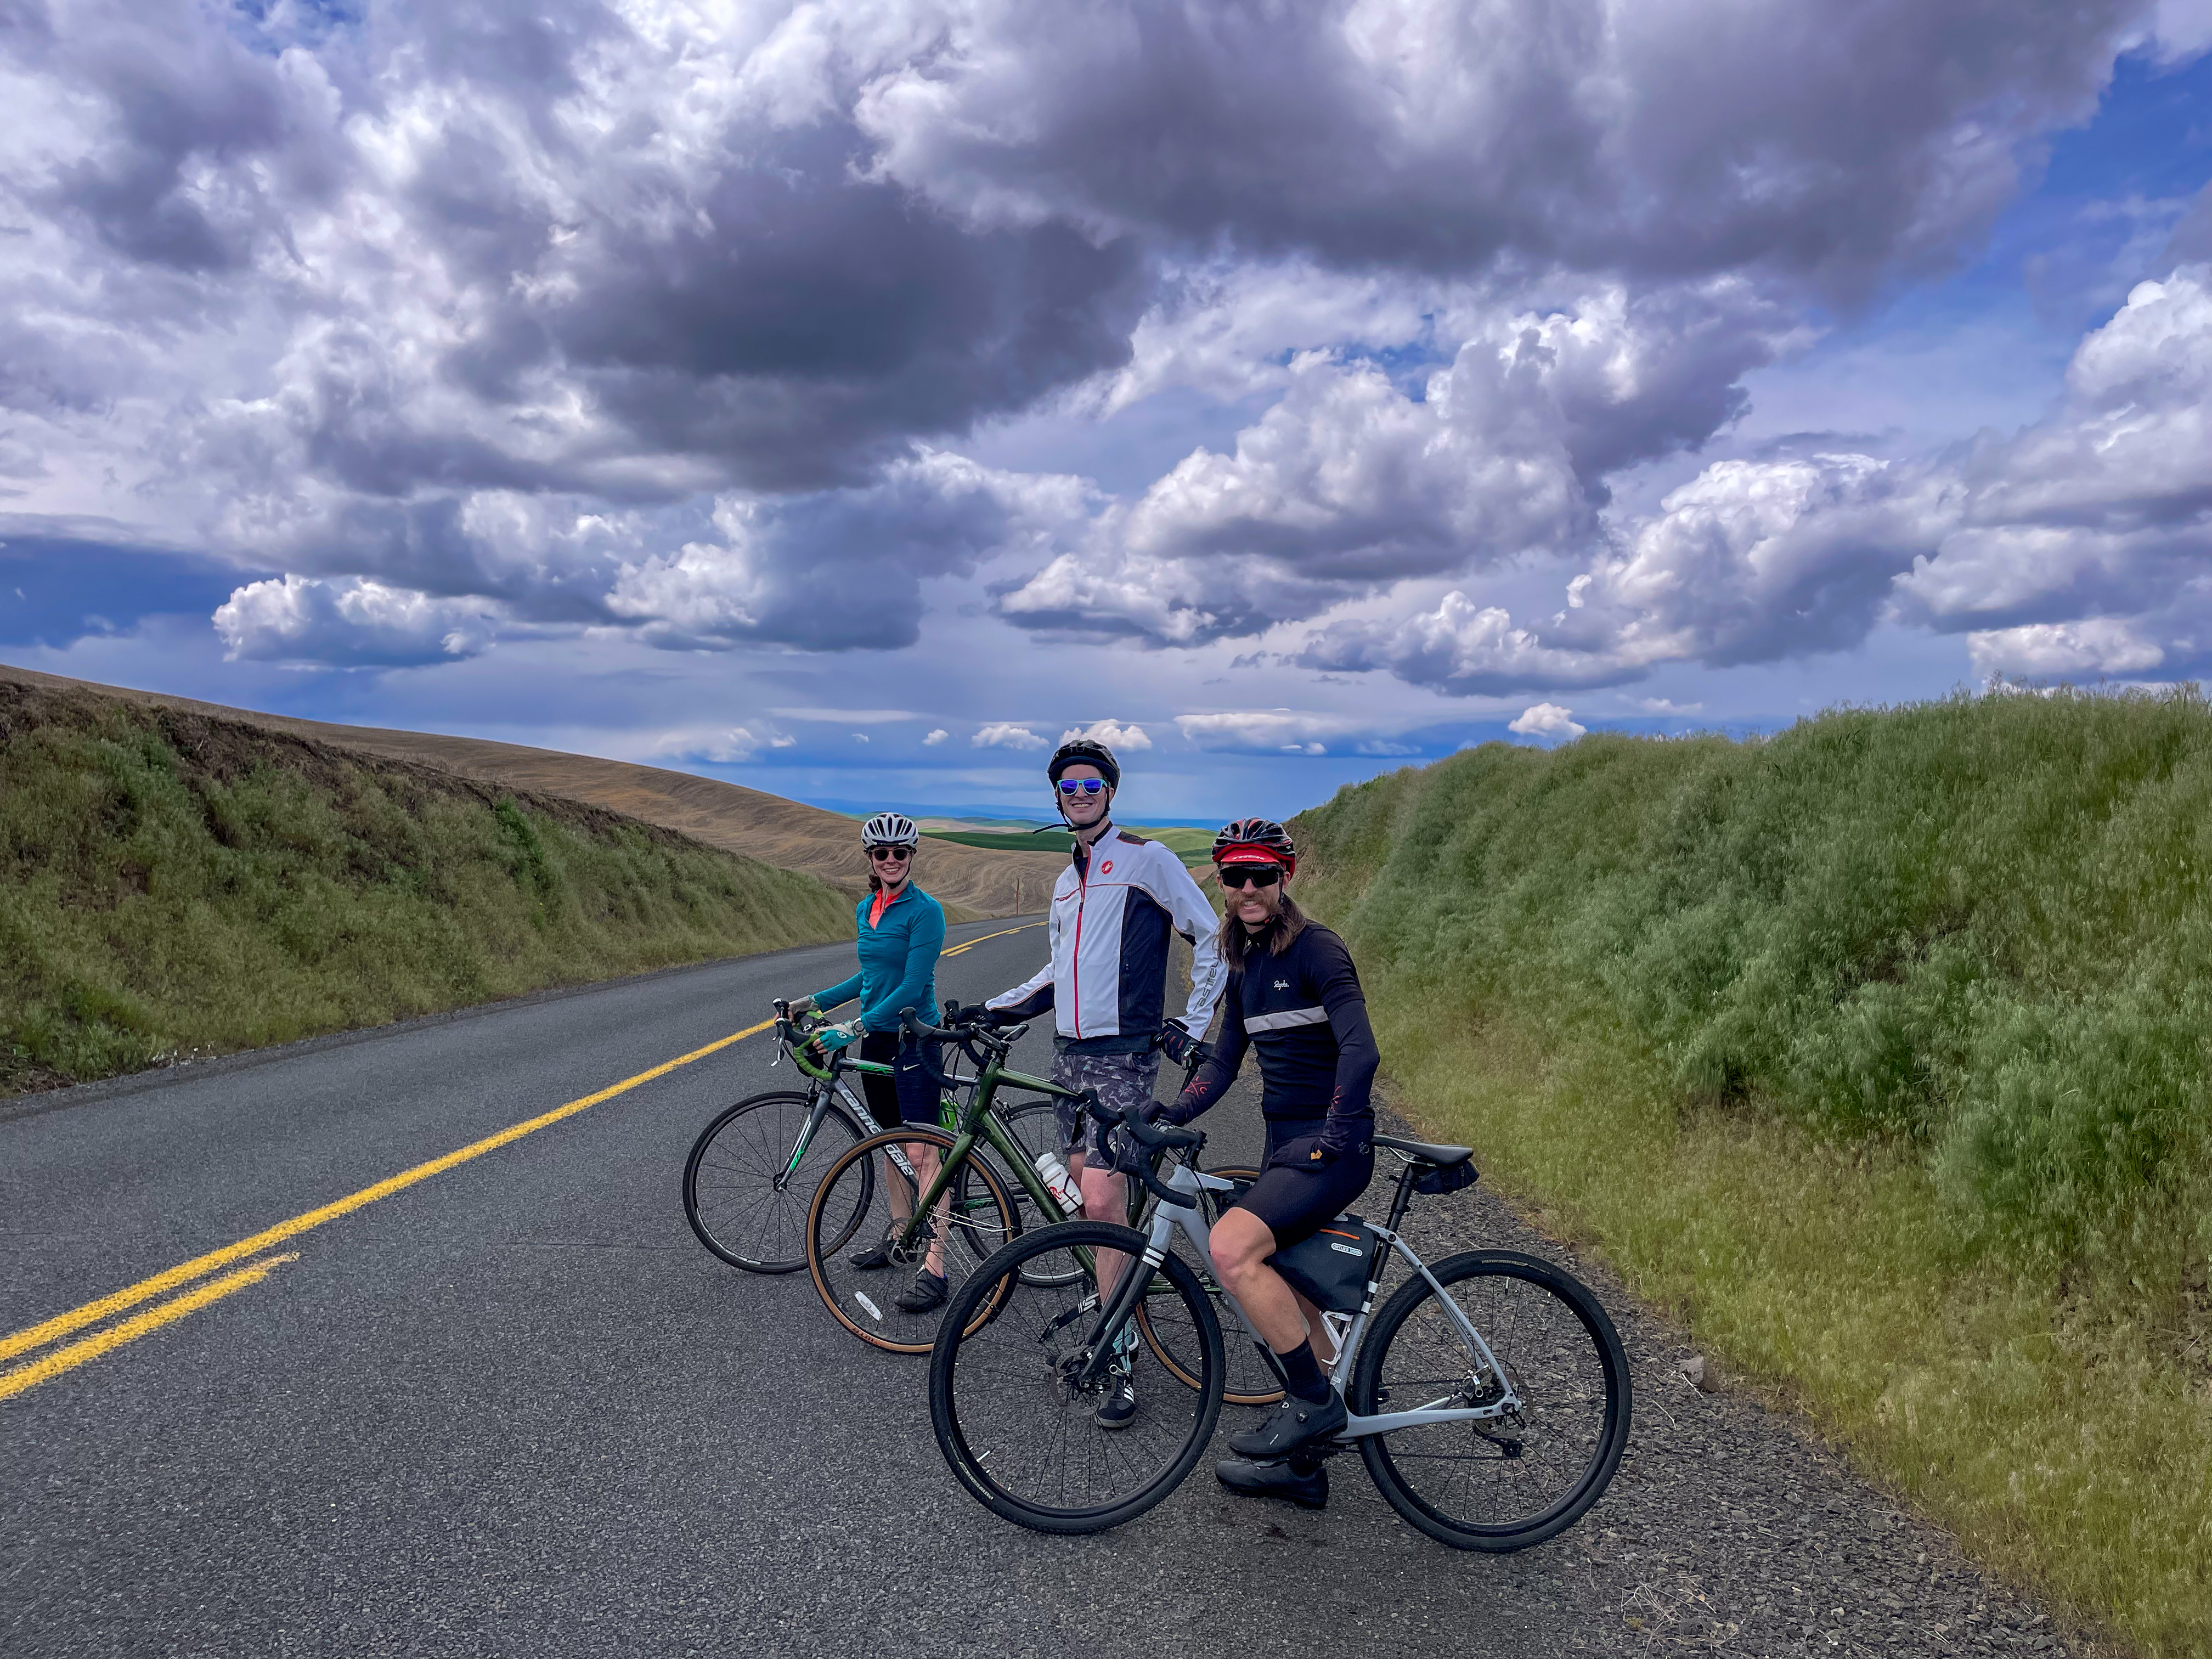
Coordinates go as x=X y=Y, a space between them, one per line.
x=1113 y=909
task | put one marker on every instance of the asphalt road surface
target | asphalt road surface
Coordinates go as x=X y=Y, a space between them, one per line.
x=512 y=1407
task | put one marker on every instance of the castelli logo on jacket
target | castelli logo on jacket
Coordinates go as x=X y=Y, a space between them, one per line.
x=1106 y=868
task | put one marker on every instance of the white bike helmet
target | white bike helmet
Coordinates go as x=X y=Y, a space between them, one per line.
x=889 y=830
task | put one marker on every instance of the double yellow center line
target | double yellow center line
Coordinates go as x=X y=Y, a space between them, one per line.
x=61 y=1324
x=53 y=1365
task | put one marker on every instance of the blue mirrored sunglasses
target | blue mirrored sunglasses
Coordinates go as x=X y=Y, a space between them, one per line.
x=1081 y=786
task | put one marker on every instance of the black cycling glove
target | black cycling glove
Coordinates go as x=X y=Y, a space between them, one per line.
x=1179 y=1045
x=1344 y=1133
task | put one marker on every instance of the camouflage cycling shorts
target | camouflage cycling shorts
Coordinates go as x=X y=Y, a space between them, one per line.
x=1124 y=1083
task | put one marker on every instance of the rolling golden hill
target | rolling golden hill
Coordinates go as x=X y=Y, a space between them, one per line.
x=978 y=881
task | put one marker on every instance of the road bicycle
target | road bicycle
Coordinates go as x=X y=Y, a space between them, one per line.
x=1489 y=1397
x=752 y=1172
x=970 y=1207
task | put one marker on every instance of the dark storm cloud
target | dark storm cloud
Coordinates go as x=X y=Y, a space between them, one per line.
x=206 y=141
x=547 y=313
x=805 y=324
x=839 y=569
x=1826 y=143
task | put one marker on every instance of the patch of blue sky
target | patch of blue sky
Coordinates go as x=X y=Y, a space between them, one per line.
x=1987 y=344
x=54 y=590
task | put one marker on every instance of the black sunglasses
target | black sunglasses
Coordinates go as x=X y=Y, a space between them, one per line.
x=1263 y=875
x=1082 y=786
x=884 y=854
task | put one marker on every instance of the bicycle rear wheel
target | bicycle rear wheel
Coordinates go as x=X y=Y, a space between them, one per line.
x=863 y=1198
x=1018 y=1428
x=749 y=1181
x=1503 y=1483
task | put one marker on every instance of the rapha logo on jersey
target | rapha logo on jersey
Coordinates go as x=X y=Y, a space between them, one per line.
x=1282 y=985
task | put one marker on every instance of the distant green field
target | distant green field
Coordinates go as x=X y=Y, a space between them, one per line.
x=1045 y=841
x=1191 y=846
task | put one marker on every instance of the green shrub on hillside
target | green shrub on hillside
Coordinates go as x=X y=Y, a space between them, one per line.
x=170 y=882
x=1878 y=1052
x=1981 y=926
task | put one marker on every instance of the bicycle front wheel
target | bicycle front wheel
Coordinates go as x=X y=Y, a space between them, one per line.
x=1014 y=1414
x=1502 y=1483
x=751 y=1178
x=862 y=1205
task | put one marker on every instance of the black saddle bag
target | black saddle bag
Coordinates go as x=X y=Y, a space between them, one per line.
x=1330 y=1269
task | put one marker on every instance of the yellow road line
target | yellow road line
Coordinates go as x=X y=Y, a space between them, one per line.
x=93 y=1312
x=972 y=943
x=62 y=1359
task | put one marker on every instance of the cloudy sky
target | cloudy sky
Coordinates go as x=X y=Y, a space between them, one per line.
x=850 y=399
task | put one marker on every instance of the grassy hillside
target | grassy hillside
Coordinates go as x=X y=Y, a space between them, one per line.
x=1881 y=1051
x=171 y=883
x=970 y=882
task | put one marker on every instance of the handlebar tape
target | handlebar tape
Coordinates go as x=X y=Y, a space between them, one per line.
x=1148 y=1136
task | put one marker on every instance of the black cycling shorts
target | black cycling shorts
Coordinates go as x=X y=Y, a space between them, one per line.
x=907 y=1093
x=1296 y=1202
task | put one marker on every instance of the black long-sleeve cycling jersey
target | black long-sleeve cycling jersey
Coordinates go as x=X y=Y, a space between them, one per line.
x=1303 y=1012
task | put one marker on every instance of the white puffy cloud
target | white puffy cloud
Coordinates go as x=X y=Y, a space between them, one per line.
x=1353 y=481
x=1112 y=733
x=2082 y=544
x=839 y=569
x=723 y=746
x=1004 y=734
x=1284 y=730
x=349 y=622
x=2096 y=646
x=938 y=734
x=1545 y=719
x=614 y=315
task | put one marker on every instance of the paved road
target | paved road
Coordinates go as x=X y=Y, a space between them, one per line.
x=513 y=1408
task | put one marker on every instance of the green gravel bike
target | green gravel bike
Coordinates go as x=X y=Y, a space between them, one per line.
x=752 y=1172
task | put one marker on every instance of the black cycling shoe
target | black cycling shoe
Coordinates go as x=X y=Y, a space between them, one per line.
x=928 y=1290
x=877 y=1255
x=1119 y=1408
x=1293 y=1424
x=1250 y=1480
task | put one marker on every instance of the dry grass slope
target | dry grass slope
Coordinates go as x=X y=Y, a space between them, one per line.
x=969 y=881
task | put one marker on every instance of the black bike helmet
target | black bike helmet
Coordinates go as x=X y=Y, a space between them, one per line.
x=1256 y=840
x=1085 y=752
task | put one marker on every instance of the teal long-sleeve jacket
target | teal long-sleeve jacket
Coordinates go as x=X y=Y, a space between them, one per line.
x=898 y=961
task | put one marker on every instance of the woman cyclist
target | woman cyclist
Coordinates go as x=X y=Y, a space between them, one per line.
x=901 y=929
x=1294 y=997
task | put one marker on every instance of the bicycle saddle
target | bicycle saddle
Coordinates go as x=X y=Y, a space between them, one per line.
x=1443 y=1158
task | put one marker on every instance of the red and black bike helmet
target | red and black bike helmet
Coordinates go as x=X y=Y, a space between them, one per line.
x=1256 y=840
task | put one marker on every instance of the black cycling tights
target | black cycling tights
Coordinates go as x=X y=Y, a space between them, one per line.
x=1295 y=1203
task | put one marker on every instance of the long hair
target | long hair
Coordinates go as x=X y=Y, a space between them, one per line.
x=1288 y=922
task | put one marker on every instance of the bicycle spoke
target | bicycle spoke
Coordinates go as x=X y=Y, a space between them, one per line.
x=741 y=1194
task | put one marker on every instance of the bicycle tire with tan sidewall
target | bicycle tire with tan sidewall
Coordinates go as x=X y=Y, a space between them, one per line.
x=981 y=1220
